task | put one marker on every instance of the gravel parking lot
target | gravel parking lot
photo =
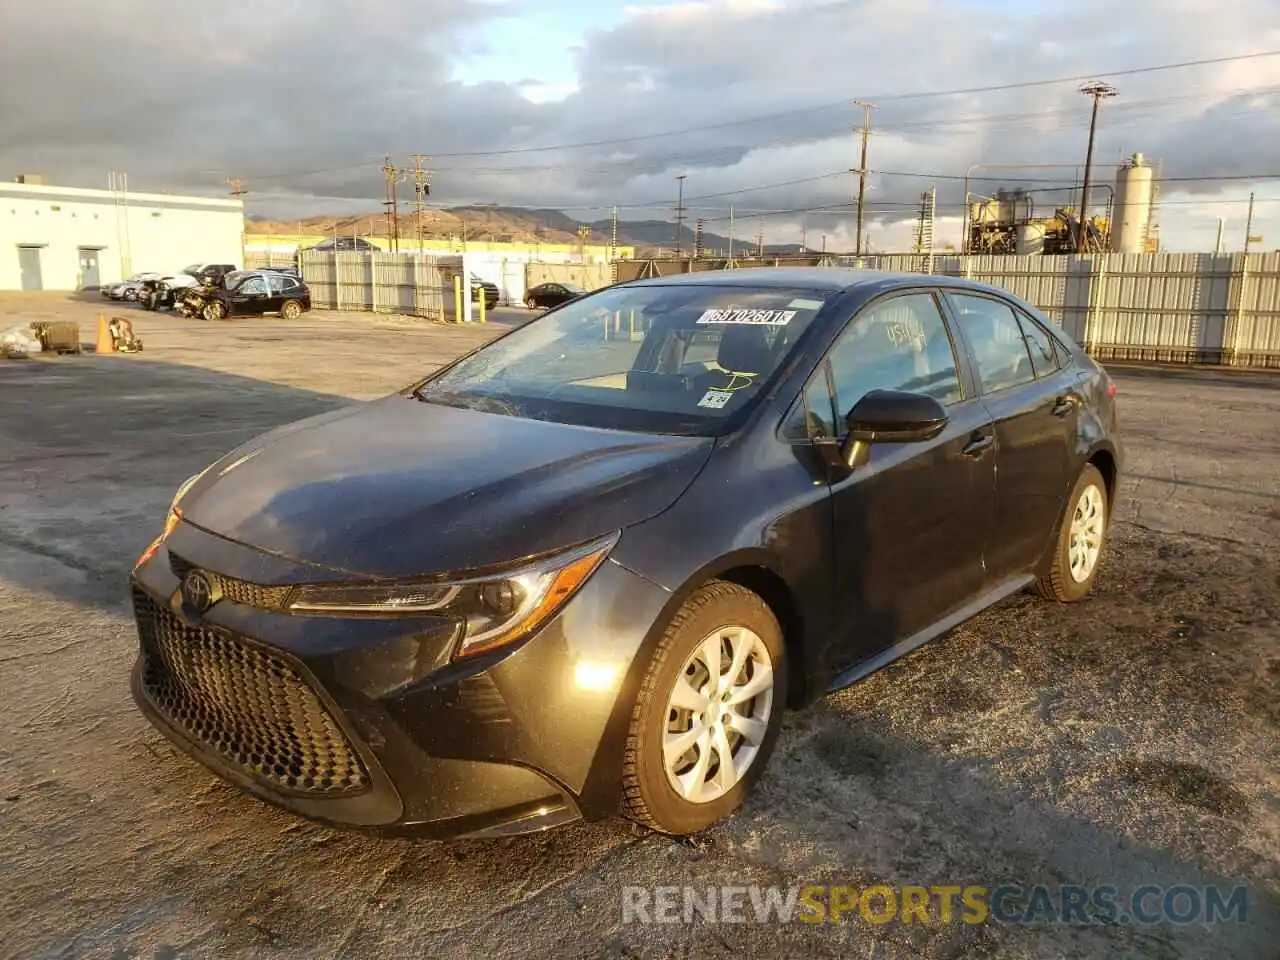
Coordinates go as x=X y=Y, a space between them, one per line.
x=1131 y=739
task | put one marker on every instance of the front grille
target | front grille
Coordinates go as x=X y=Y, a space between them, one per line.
x=237 y=591
x=245 y=703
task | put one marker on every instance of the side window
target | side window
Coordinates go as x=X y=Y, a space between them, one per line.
x=895 y=344
x=998 y=345
x=253 y=285
x=812 y=416
x=1044 y=360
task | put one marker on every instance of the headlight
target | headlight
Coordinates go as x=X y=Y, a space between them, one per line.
x=488 y=611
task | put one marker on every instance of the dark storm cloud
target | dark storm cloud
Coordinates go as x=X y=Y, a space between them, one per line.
x=302 y=100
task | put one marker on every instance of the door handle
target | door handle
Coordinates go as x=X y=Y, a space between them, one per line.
x=1064 y=405
x=978 y=442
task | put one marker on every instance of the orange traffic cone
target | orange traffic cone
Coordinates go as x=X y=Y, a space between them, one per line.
x=105 y=343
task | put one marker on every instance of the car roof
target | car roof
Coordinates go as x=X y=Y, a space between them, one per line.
x=832 y=279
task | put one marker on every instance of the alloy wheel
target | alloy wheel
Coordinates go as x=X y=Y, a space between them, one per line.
x=717 y=714
x=1087 y=525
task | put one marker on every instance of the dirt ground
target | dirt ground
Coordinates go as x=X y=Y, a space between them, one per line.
x=1128 y=740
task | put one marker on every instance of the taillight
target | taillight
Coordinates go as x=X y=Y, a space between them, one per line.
x=1111 y=388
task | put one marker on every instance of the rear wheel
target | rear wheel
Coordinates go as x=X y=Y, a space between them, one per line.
x=708 y=712
x=1081 y=539
x=291 y=310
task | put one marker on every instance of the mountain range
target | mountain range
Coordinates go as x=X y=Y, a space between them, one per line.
x=521 y=225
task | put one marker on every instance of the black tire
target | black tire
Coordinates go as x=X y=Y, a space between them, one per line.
x=213 y=310
x=531 y=303
x=291 y=310
x=1058 y=582
x=648 y=797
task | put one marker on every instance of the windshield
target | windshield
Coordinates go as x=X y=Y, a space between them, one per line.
x=677 y=359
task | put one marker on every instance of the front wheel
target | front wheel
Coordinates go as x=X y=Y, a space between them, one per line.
x=531 y=303
x=708 y=712
x=213 y=310
x=1081 y=538
x=291 y=310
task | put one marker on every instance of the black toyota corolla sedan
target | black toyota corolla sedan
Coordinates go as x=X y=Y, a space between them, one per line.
x=586 y=567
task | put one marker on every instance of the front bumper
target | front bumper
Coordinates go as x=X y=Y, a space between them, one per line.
x=365 y=722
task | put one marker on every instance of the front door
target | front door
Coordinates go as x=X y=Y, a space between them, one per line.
x=909 y=524
x=89 y=269
x=1034 y=405
x=29 y=263
x=248 y=299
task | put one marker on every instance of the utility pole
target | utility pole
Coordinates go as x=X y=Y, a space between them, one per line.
x=679 y=213
x=731 y=235
x=237 y=187
x=1222 y=226
x=862 y=169
x=1099 y=91
x=1248 y=225
x=760 y=240
x=389 y=172
x=421 y=190
x=804 y=233
x=697 y=238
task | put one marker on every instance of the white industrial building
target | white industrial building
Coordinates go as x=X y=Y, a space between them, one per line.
x=70 y=238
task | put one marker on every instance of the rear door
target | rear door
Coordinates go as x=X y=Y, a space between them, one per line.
x=276 y=286
x=1034 y=402
x=909 y=525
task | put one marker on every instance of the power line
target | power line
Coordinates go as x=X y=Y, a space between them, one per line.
x=1067 y=119
x=886 y=97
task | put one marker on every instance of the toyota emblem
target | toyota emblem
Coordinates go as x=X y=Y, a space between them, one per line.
x=197 y=592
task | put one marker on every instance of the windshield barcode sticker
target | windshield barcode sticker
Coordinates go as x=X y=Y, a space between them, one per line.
x=715 y=399
x=769 y=318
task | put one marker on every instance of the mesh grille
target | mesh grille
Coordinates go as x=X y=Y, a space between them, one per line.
x=248 y=705
x=237 y=591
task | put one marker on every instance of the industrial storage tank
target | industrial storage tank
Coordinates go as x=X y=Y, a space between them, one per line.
x=1131 y=219
x=1030 y=239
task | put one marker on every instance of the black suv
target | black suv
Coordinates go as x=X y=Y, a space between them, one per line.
x=248 y=293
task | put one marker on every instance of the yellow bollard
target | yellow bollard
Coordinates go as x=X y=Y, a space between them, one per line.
x=484 y=302
x=457 y=299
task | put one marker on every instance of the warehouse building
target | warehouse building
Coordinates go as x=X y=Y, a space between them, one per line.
x=70 y=238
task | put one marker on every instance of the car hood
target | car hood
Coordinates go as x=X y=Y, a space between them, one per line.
x=400 y=487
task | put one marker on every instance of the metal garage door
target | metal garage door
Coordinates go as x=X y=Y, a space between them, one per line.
x=29 y=262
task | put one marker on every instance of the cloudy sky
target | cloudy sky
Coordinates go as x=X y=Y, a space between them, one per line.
x=584 y=104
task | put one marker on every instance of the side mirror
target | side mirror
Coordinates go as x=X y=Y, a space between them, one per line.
x=890 y=416
x=895 y=416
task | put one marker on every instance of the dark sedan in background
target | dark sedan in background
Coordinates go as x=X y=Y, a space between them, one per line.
x=574 y=573
x=546 y=295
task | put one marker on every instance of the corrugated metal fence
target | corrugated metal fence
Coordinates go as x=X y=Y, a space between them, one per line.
x=418 y=285
x=1166 y=307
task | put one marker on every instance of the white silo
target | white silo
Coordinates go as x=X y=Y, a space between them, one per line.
x=1131 y=218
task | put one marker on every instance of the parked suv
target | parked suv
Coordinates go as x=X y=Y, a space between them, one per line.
x=247 y=293
x=346 y=245
x=486 y=289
